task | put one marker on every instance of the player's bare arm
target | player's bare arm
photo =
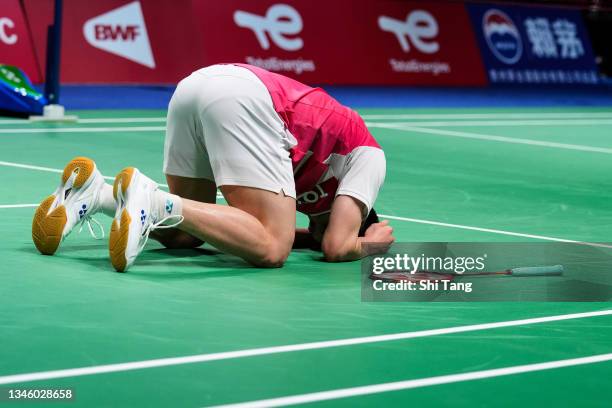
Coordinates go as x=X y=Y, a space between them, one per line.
x=350 y=237
x=341 y=240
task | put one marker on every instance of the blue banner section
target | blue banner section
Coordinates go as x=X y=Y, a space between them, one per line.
x=533 y=45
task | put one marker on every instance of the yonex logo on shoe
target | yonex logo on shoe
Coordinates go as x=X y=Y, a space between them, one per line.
x=82 y=211
x=143 y=217
x=169 y=206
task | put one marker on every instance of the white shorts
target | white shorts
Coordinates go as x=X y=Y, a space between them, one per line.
x=222 y=126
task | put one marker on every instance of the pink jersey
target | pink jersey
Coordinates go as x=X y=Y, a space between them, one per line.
x=324 y=129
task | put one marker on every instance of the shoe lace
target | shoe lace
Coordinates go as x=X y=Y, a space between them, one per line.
x=89 y=220
x=175 y=220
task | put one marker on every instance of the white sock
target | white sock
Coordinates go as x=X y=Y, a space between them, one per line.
x=107 y=201
x=168 y=204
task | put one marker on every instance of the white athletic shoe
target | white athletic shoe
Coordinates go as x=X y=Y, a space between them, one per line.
x=74 y=202
x=137 y=215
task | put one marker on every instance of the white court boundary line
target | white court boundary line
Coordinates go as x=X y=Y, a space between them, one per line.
x=30 y=167
x=456 y=123
x=493 y=138
x=50 y=169
x=201 y=358
x=391 y=217
x=390 y=125
x=497 y=115
x=87 y=129
x=497 y=123
x=151 y=119
x=417 y=383
x=18 y=205
x=428 y=222
x=398 y=116
x=158 y=119
x=493 y=231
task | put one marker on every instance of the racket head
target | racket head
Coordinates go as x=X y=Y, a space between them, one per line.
x=399 y=276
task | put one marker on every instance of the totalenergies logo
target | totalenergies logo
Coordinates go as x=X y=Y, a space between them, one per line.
x=419 y=28
x=502 y=36
x=280 y=23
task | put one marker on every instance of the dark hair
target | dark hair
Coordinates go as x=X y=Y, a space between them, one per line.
x=372 y=218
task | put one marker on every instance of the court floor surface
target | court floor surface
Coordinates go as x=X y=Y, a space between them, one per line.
x=200 y=328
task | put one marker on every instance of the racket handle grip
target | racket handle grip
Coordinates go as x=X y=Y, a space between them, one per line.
x=550 y=270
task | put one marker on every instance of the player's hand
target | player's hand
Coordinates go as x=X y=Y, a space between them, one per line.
x=378 y=238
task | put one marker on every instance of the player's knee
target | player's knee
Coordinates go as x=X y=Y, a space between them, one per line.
x=274 y=257
x=271 y=261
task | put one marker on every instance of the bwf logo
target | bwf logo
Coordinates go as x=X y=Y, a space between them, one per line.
x=122 y=32
x=280 y=21
x=419 y=28
x=109 y=32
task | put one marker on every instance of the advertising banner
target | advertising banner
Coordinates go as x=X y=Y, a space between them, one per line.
x=533 y=45
x=294 y=38
x=346 y=41
x=428 y=43
x=119 y=41
x=352 y=42
x=15 y=42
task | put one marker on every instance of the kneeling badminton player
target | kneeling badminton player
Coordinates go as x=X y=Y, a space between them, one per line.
x=271 y=145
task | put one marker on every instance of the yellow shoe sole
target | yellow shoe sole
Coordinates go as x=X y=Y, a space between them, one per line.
x=47 y=228
x=118 y=240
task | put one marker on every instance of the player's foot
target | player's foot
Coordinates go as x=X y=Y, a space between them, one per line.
x=75 y=201
x=137 y=215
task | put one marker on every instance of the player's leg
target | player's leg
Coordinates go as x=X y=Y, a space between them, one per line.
x=248 y=150
x=195 y=189
x=186 y=163
x=248 y=147
x=221 y=121
x=258 y=225
x=260 y=228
